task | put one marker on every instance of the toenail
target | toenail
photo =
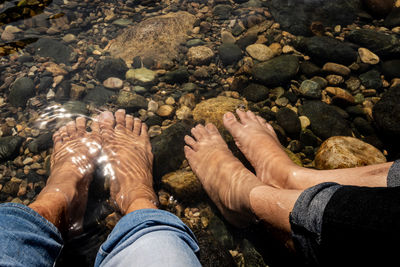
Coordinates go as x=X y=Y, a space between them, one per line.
x=229 y=116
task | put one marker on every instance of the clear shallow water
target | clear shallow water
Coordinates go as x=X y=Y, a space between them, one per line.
x=57 y=58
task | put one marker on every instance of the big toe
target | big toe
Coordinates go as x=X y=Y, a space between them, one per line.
x=232 y=124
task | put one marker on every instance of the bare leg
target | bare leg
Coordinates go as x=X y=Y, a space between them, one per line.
x=127 y=161
x=237 y=192
x=63 y=200
x=258 y=142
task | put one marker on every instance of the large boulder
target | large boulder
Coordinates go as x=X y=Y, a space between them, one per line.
x=157 y=37
x=379 y=8
x=325 y=49
x=393 y=19
x=380 y=43
x=21 y=90
x=386 y=113
x=325 y=120
x=346 y=152
x=213 y=109
x=391 y=68
x=276 y=71
x=9 y=147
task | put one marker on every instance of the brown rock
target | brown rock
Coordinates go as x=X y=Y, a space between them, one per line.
x=165 y=111
x=379 y=8
x=213 y=109
x=183 y=185
x=113 y=83
x=346 y=152
x=367 y=56
x=157 y=37
x=200 y=55
x=336 y=68
x=340 y=94
x=76 y=91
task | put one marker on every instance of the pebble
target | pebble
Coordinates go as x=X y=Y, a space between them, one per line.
x=155 y=130
x=165 y=111
x=304 y=122
x=113 y=83
x=183 y=112
x=69 y=38
x=334 y=79
x=170 y=100
x=200 y=55
x=227 y=38
x=260 y=52
x=336 y=68
x=152 y=106
x=367 y=56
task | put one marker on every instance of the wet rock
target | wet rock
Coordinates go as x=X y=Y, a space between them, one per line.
x=367 y=56
x=340 y=96
x=20 y=91
x=47 y=47
x=346 y=152
x=222 y=11
x=371 y=79
x=393 y=19
x=309 y=69
x=98 y=96
x=12 y=186
x=76 y=108
x=336 y=68
x=379 y=8
x=184 y=185
x=324 y=49
x=289 y=121
x=363 y=126
x=221 y=233
x=180 y=75
x=9 y=147
x=308 y=138
x=76 y=91
x=213 y=109
x=310 y=89
x=200 y=55
x=45 y=84
x=380 y=43
x=168 y=148
x=326 y=121
x=43 y=142
x=131 y=101
x=391 y=69
x=63 y=92
x=165 y=111
x=386 y=113
x=161 y=42
x=260 y=52
x=255 y=92
x=246 y=40
x=8 y=33
x=251 y=256
x=194 y=42
x=276 y=71
x=227 y=38
x=113 y=83
x=229 y=53
x=110 y=67
x=141 y=75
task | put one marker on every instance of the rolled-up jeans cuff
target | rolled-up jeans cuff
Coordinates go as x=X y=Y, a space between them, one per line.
x=393 y=178
x=306 y=220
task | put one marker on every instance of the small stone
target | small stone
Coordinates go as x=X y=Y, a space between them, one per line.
x=227 y=38
x=165 y=111
x=142 y=75
x=287 y=49
x=367 y=56
x=27 y=161
x=55 y=69
x=69 y=38
x=346 y=152
x=334 y=79
x=170 y=100
x=152 y=106
x=276 y=49
x=8 y=33
x=260 y=52
x=282 y=101
x=336 y=68
x=183 y=184
x=155 y=130
x=113 y=83
x=200 y=55
x=311 y=89
x=76 y=91
x=183 y=112
x=304 y=121
x=340 y=94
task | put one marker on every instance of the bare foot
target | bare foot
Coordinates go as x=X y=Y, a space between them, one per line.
x=225 y=179
x=63 y=200
x=259 y=143
x=127 y=161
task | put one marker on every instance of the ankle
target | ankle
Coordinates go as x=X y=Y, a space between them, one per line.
x=141 y=203
x=299 y=178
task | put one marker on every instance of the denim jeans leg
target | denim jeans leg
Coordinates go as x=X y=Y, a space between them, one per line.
x=149 y=237
x=26 y=238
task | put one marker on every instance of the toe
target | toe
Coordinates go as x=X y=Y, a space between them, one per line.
x=80 y=125
x=120 y=117
x=71 y=128
x=106 y=120
x=64 y=134
x=95 y=125
x=232 y=124
x=243 y=116
x=211 y=128
x=137 y=126
x=191 y=142
x=251 y=116
x=144 y=130
x=199 y=132
x=188 y=152
x=57 y=140
x=129 y=122
x=262 y=121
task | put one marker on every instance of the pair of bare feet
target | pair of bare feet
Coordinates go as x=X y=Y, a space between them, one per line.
x=119 y=146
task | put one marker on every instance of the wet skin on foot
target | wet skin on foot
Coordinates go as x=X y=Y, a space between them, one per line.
x=225 y=179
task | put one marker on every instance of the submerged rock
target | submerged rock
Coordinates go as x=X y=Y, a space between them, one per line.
x=41 y=143
x=379 y=8
x=157 y=37
x=289 y=121
x=255 y=92
x=9 y=147
x=98 y=95
x=386 y=113
x=213 y=109
x=230 y=53
x=325 y=120
x=346 y=152
x=21 y=90
x=110 y=67
x=391 y=68
x=200 y=55
x=47 y=47
x=276 y=71
x=184 y=185
x=131 y=101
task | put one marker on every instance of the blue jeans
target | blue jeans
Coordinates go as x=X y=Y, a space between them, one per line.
x=145 y=237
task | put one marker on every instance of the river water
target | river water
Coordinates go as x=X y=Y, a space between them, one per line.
x=314 y=69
